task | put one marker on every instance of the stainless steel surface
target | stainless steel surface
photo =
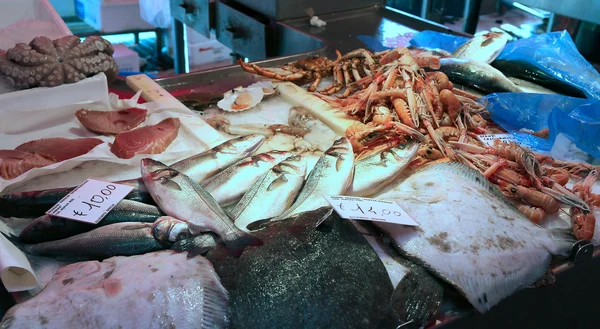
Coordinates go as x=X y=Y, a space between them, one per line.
x=243 y=33
x=288 y=9
x=585 y=10
x=193 y=13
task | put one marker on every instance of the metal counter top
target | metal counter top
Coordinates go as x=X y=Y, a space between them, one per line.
x=585 y=10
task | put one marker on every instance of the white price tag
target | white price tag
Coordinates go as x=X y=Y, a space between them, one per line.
x=90 y=201
x=488 y=139
x=350 y=207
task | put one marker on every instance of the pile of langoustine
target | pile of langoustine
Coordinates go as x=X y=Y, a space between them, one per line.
x=397 y=94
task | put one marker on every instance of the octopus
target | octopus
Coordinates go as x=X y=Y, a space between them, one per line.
x=48 y=63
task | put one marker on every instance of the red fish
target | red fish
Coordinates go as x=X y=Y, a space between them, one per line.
x=60 y=149
x=15 y=163
x=146 y=140
x=111 y=122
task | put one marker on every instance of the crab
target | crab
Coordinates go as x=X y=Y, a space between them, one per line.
x=312 y=68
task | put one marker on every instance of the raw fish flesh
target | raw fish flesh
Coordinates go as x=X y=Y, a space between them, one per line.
x=146 y=140
x=15 y=163
x=60 y=149
x=470 y=235
x=111 y=122
x=307 y=277
x=154 y=290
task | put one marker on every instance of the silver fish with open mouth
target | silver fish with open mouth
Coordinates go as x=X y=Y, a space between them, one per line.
x=228 y=186
x=477 y=74
x=272 y=193
x=470 y=235
x=179 y=196
x=373 y=173
x=331 y=175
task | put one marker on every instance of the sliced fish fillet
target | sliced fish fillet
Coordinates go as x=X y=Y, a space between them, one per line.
x=15 y=163
x=146 y=140
x=111 y=122
x=60 y=149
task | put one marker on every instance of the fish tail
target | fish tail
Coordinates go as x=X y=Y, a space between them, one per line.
x=563 y=239
x=236 y=243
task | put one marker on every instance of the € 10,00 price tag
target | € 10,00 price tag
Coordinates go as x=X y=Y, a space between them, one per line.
x=90 y=201
x=350 y=207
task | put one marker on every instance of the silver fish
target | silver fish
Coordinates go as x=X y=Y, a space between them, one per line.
x=482 y=48
x=530 y=87
x=470 y=235
x=331 y=175
x=121 y=239
x=179 y=196
x=477 y=74
x=163 y=289
x=228 y=186
x=373 y=173
x=272 y=193
x=197 y=245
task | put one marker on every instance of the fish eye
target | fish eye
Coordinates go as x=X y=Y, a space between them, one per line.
x=513 y=189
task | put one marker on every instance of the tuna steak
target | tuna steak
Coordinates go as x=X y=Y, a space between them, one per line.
x=15 y=163
x=60 y=149
x=111 y=122
x=146 y=140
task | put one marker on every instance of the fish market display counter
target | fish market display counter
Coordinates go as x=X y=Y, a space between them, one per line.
x=229 y=221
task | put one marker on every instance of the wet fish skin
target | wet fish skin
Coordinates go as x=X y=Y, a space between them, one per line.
x=530 y=87
x=206 y=164
x=276 y=188
x=179 y=196
x=163 y=289
x=48 y=228
x=469 y=235
x=478 y=74
x=483 y=48
x=197 y=245
x=121 y=239
x=331 y=175
x=198 y=167
x=229 y=186
x=528 y=72
x=376 y=171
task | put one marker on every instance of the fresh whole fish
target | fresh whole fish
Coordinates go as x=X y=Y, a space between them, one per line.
x=526 y=71
x=373 y=173
x=228 y=186
x=120 y=239
x=332 y=175
x=154 y=290
x=272 y=193
x=179 y=196
x=198 y=167
x=111 y=122
x=307 y=278
x=482 y=48
x=48 y=228
x=152 y=139
x=470 y=235
x=477 y=74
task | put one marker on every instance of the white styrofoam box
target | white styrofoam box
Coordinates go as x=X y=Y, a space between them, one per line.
x=23 y=20
x=207 y=52
x=127 y=59
x=194 y=37
x=111 y=15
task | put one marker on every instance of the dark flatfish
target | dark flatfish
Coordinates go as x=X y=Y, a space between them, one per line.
x=307 y=277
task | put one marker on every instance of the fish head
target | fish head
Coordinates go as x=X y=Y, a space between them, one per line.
x=293 y=165
x=154 y=172
x=242 y=145
x=167 y=229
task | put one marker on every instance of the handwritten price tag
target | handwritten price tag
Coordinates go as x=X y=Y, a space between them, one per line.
x=351 y=207
x=90 y=201
x=488 y=139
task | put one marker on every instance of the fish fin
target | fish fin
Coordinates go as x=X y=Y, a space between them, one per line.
x=238 y=242
x=277 y=182
x=197 y=245
x=326 y=218
x=338 y=163
x=564 y=239
x=136 y=226
x=417 y=297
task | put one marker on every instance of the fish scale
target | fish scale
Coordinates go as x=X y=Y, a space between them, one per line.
x=470 y=235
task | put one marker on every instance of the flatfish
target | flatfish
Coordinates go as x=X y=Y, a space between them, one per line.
x=470 y=235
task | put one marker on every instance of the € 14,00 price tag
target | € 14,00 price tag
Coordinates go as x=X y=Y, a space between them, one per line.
x=90 y=201
x=350 y=207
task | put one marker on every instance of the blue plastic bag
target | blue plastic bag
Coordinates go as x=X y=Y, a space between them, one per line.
x=556 y=54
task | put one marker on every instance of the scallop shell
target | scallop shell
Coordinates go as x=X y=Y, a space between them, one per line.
x=266 y=85
x=241 y=99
